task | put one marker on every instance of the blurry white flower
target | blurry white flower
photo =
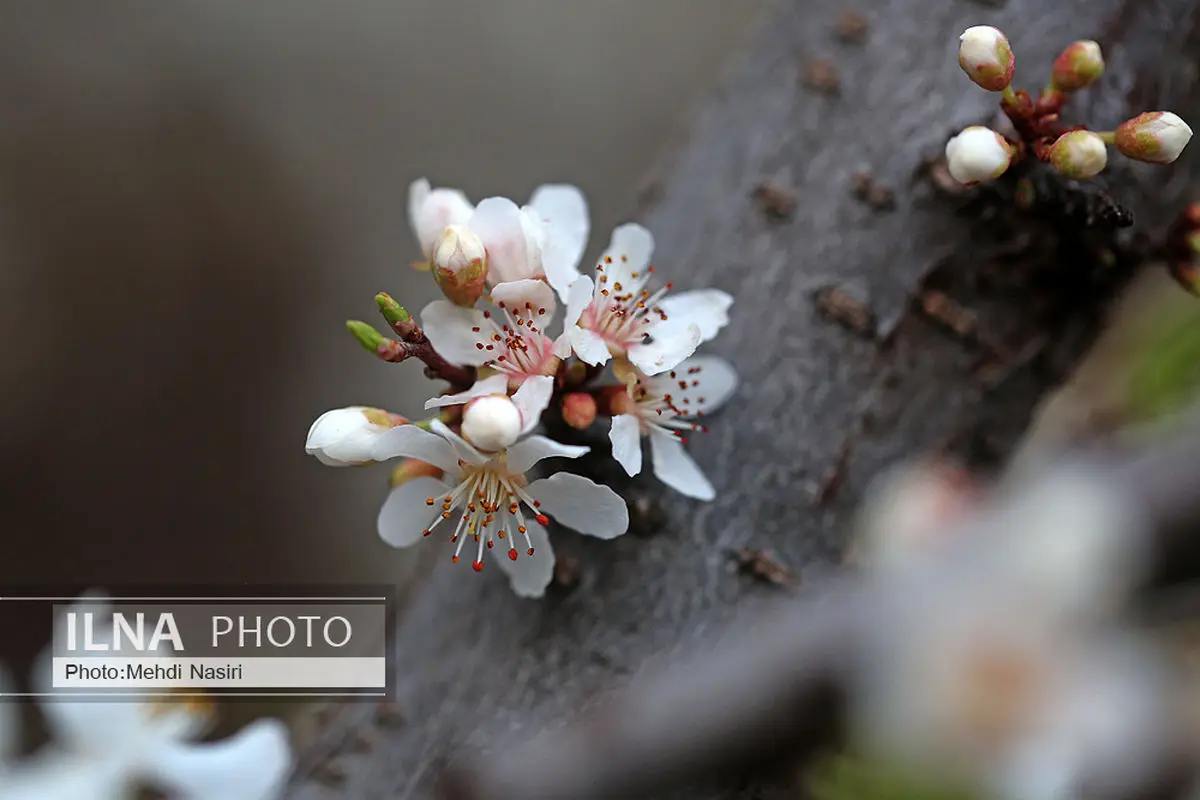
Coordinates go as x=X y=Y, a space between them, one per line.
x=1079 y=65
x=977 y=154
x=512 y=342
x=1156 y=136
x=909 y=511
x=545 y=238
x=617 y=316
x=344 y=437
x=116 y=747
x=661 y=409
x=486 y=497
x=1079 y=155
x=985 y=55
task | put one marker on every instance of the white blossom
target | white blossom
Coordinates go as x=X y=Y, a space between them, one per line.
x=616 y=315
x=344 y=437
x=512 y=341
x=985 y=55
x=1156 y=136
x=977 y=154
x=661 y=409
x=544 y=239
x=486 y=497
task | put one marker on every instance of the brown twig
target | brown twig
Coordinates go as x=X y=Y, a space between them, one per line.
x=415 y=344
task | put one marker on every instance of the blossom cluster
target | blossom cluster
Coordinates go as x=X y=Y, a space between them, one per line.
x=111 y=749
x=507 y=272
x=980 y=154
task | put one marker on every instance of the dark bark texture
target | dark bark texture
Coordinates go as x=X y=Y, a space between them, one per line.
x=972 y=309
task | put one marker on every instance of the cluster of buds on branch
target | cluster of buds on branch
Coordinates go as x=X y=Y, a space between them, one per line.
x=505 y=270
x=980 y=154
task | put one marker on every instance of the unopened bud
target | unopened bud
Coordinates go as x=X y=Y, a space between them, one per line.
x=491 y=423
x=344 y=437
x=984 y=54
x=392 y=311
x=579 y=410
x=367 y=336
x=460 y=265
x=1079 y=155
x=1156 y=136
x=411 y=468
x=1077 y=66
x=977 y=154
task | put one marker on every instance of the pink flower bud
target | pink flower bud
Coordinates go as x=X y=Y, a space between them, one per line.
x=1077 y=66
x=1079 y=155
x=977 y=154
x=984 y=54
x=579 y=410
x=1156 y=136
x=459 y=264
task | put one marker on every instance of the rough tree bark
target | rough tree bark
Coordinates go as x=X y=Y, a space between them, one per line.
x=824 y=404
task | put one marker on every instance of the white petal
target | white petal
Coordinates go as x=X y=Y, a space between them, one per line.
x=532 y=398
x=497 y=384
x=626 y=438
x=251 y=765
x=343 y=437
x=529 y=574
x=405 y=514
x=707 y=309
x=462 y=448
x=564 y=212
x=532 y=449
x=665 y=351
x=578 y=297
x=582 y=504
x=521 y=296
x=449 y=328
x=436 y=209
x=418 y=190
x=588 y=346
x=412 y=442
x=674 y=467
x=512 y=249
x=715 y=380
x=630 y=249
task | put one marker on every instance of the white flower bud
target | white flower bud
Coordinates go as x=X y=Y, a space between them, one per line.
x=491 y=423
x=1079 y=155
x=459 y=263
x=344 y=437
x=1156 y=136
x=977 y=154
x=984 y=54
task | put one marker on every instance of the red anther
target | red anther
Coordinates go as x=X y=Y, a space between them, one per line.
x=426 y=532
x=477 y=566
x=529 y=551
x=543 y=519
x=491 y=544
x=454 y=559
x=683 y=439
x=487 y=315
x=537 y=503
x=541 y=311
x=501 y=304
x=475 y=329
x=428 y=501
x=478 y=346
x=512 y=554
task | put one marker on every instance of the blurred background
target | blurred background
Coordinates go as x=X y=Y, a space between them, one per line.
x=194 y=197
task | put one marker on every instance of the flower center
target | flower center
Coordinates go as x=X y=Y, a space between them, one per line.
x=661 y=407
x=490 y=499
x=519 y=346
x=623 y=312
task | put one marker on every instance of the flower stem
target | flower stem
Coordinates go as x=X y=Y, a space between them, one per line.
x=1008 y=94
x=414 y=343
x=1109 y=137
